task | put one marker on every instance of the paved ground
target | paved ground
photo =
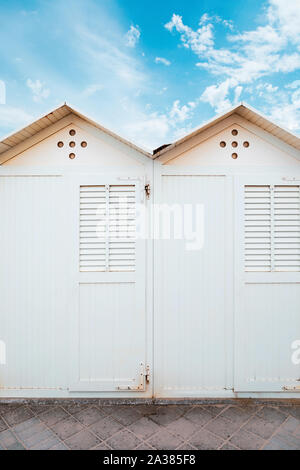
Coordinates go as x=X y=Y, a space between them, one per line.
x=149 y=427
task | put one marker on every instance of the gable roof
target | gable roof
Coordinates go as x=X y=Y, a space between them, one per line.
x=243 y=110
x=10 y=141
x=247 y=112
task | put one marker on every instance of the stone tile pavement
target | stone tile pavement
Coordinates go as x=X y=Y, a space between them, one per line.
x=162 y=427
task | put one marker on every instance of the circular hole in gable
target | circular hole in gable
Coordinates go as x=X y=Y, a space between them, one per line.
x=72 y=156
x=83 y=144
x=72 y=144
x=234 y=156
x=223 y=144
x=234 y=132
x=246 y=144
x=60 y=144
x=72 y=132
x=234 y=144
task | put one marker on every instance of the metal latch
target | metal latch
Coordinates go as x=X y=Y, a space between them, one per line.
x=147 y=190
x=144 y=379
x=147 y=375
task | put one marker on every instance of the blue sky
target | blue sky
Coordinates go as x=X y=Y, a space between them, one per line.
x=150 y=71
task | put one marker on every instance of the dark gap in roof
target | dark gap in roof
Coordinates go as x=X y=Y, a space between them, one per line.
x=160 y=148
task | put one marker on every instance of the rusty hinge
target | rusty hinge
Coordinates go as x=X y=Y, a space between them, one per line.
x=288 y=388
x=290 y=178
x=144 y=379
x=147 y=190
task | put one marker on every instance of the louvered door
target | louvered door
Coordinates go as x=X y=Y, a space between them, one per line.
x=267 y=316
x=111 y=320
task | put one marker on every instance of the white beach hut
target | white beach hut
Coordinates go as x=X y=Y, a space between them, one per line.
x=127 y=274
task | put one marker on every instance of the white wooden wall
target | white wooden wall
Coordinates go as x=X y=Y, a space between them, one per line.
x=75 y=323
x=224 y=325
x=267 y=320
x=193 y=316
x=34 y=283
x=212 y=327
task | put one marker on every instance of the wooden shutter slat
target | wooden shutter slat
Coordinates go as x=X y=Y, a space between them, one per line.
x=257 y=228
x=107 y=228
x=272 y=228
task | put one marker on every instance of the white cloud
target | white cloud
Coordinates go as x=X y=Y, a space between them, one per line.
x=293 y=85
x=264 y=88
x=39 y=91
x=180 y=132
x=132 y=36
x=13 y=117
x=288 y=63
x=162 y=60
x=94 y=38
x=104 y=55
x=149 y=130
x=199 y=41
x=181 y=113
x=162 y=91
x=267 y=36
x=237 y=94
x=2 y=92
x=285 y=14
x=217 y=19
x=152 y=129
x=92 y=89
x=287 y=113
x=217 y=96
x=282 y=104
x=273 y=47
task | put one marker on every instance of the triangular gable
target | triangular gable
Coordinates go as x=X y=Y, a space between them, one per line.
x=252 y=119
x=21 y=140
